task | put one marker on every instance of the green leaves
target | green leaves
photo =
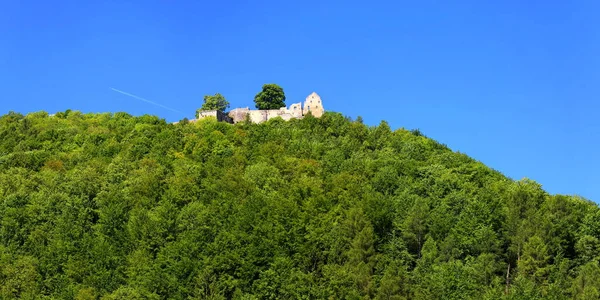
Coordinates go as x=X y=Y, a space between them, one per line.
x=271 y=97
x=587 y=284
x=112 y=206
x=214 y=102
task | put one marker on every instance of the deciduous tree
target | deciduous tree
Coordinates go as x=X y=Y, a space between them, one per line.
x=214 y=102
x=271 y=97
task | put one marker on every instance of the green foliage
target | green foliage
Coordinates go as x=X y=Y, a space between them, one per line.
x=112 y=206
x=214 y=102
x=587 y=284
x=270 y=97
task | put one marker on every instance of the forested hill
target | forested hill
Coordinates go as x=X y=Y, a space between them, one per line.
x=110 y=206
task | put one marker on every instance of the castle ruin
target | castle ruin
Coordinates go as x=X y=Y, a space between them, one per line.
x=312 y=104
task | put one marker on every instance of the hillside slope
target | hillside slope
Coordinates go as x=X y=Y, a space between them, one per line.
x=110 y=206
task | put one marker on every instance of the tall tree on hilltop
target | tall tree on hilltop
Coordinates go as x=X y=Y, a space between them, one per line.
x=271 y=97
x=214 y=102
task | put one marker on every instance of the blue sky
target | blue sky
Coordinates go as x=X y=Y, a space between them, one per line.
x=514 y=84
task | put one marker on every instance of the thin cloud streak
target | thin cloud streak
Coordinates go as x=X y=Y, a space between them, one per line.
x=145 y=100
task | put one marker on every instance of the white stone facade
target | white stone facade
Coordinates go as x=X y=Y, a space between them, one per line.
x=313 y=104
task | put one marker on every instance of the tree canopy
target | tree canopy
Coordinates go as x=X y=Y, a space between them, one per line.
x=270 y=97
x=112 y=206
x=214 y=102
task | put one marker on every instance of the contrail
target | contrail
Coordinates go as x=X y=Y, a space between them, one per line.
x=145 y=100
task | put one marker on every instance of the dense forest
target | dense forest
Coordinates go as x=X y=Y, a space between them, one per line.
x=112 y=206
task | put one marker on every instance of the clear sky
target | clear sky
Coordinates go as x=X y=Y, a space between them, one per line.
x=514 y=84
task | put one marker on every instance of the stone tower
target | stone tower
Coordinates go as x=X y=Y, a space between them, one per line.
x=314 y=105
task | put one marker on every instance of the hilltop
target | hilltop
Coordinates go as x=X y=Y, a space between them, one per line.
x=111 y=206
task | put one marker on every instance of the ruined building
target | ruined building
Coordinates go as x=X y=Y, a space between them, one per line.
x=312 y=104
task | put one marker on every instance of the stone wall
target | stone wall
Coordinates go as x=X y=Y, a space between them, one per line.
x=259 y=116
x=239 y=114
x=219 y=115
x=313 y=104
